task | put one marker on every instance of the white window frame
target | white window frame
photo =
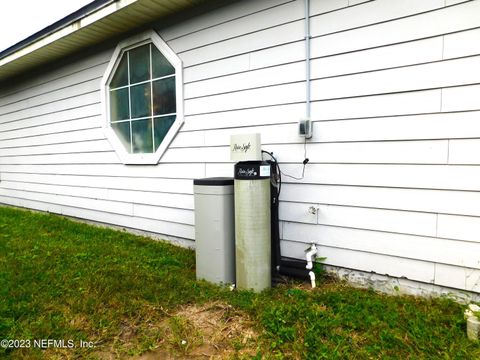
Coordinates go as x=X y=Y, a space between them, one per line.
x=125 y=45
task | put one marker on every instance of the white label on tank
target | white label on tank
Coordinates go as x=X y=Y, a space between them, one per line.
x=265 y=170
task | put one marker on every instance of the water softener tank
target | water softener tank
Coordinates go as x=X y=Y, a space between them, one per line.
x=252 y=225
x=214 y=230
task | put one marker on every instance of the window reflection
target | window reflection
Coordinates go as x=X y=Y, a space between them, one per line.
x=142 y=137
x=139 y=64
x=162 y=125
x=164 y=96
x=119 y=105
x=141 y=101
x=138 y=103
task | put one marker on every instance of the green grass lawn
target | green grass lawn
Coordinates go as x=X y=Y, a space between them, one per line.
x=124 y=295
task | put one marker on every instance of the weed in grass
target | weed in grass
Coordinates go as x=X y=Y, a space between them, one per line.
x=183 y=335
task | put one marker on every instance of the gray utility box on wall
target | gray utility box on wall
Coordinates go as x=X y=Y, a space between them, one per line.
x=214 y=229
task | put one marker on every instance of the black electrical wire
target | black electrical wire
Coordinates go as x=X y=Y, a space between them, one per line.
x=305 y=162
x=277 y=172
x=281 y=265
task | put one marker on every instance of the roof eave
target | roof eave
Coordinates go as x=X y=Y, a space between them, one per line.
x=74 y=32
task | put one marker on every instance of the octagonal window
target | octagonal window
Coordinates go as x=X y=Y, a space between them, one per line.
x=144 y=99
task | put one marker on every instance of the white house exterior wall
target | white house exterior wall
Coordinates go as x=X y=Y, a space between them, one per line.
x=394 y=159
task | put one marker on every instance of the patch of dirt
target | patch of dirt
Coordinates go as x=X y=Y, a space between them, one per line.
x=210 y=331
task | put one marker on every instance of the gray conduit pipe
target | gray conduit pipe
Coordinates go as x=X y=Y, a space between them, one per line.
x=307 y=57
x=313 y=250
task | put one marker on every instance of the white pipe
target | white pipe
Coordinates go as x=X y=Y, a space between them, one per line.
x=307 y=57
x=310 y=255
x=312 y=279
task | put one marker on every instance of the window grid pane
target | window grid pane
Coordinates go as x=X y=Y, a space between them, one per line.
x=161 y=127
x=161 y=66
x=124 y=133
x=121 y=73
x=141 y=139
x=164 y=96
x=141 y=99
x=140 y=64
x=119 y=104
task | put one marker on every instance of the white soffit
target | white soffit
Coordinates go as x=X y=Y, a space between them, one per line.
x=99 y=25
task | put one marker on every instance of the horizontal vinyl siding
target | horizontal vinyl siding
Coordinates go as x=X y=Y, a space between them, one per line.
x=393 y=160
x=54 y=157
x=394 y=165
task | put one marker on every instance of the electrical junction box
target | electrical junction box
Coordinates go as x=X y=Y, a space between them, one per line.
x=245 y=147
x=305 y=128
